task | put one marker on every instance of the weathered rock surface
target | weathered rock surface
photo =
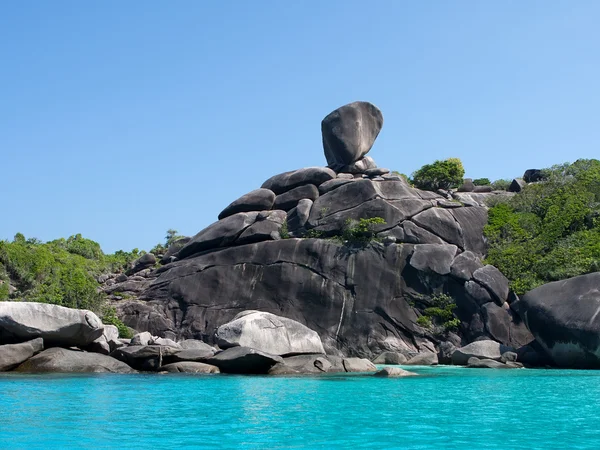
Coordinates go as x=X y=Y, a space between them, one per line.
x=143 y=262
x=290 y=199
x=60 y=360
x=394 y=372
x=144 y=357
x=267 y=227
x=57 y=325
x=494 y=281
x=390 y=358
x=289 y=180
x=244 y=360
x=433 y=258
x=423 y=359
x=517 y=185
x=358 y=365
x=476 y=363
x=11 y=355
x=256 y=200
x=350 y=131
x=268 y=333
x=484 y=349
x=189 y=367
x=298 y=216
x=564 y=318
x=464 y=265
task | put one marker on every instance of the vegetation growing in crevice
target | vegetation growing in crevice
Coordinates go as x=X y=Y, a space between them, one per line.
x=440 y=316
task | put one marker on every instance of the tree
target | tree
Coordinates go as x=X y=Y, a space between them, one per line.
x=444 y=174
x=172 y=236
x=482 y=182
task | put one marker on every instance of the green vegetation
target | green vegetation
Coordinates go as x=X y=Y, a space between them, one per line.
x=482 y=182
x=361 y=231
x=171 y=236
x=60 y=272
x=501 y=185
x=550 y=230
x=109 y=317
x=284 y=232
x=444 y=174
x=439 y=316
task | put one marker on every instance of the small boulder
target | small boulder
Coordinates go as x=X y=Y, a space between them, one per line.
x=393 y=372
x=289 y=180
x=494 y=281
x=11 y=355
x=144 y=338
x=298 y=216
x=290 y=199
x=467 y=185
x=189 y=367
x=143 y=262
x=423 y=359
x=517 y=185
x=390 y=358
x=165 y=342
x=60 y=360
x=464 y=265
x=257 y=200
x=244 y=360
x=476 y=363
x=358 y=365
x=436 y=258
x=484 y=349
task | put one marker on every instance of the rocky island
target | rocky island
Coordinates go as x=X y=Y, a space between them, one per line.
x=322 y=269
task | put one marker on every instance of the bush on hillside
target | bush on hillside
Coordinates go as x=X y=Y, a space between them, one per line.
x=501 y=185
x=551 y=230
x=445 y=174
x=482 y=182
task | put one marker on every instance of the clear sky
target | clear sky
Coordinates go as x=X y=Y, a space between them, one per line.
x=119 y=120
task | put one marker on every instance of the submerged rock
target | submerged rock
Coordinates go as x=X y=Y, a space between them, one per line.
x=189 y=367
x=393 y=372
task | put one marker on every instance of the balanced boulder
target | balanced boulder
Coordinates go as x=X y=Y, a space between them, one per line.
x=58 y=325
x=350 y=131
x=269 y=333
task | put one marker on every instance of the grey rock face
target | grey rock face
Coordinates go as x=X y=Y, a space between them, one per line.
x=494 y=281
x=143 y=262
x=267 y=227
x=442 y=223
x=256 y=200
x=189 y=367
x=21 y=321
x=504 y=326
x=290 y=199
x=358 y=365
x=174 y=249
x=390 y=358
x=350 y=131
x=310 y=175
x=477 y=292
x=423 y=359
x=219 y=234
x=359 y=167
x=563 y=316
x=298 y=216
x=144 y=338
x=194 y=344
x=464 y=265
x=433 y=257
x=192 y=355
x=414 y=234
x=467 y=186
x=485 y=349
x=144 y=357
x=394 y=372
x=333 y=184
x=476 y=363
x=244 y=360
x=269 y=333
x=11 y=355
x=60 y=360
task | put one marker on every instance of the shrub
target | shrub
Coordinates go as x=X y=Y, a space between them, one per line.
x=440 y=314
x=550 y=230
x=439 y=175
x=501 y=185
x=482 y=182
x=361 y=231
x=109 y=317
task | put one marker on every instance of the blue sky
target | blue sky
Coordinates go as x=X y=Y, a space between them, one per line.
x=119 y=120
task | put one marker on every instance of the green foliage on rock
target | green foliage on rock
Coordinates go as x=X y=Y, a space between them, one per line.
x=444 y=174
x=440 y=315
x=482 y=182
x=61 y=272
x=109 y=317
x=550 y=230
x=361 y=231
x=501 y=185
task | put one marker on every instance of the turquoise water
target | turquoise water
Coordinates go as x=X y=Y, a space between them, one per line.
x=446 y=407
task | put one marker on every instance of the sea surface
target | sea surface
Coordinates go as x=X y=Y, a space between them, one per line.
x=445 y=407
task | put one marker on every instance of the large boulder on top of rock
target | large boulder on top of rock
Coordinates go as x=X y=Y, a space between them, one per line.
x=244 y=360
x=268 y=333
x=60 y=360
x=564 y=318
x=11 y=355
x=289 y=180
x=57 y=325
x=290 y=199
x=533 y=175
x=256 y=200
x=143 y=262
x=350 y=131
x=484 y=349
